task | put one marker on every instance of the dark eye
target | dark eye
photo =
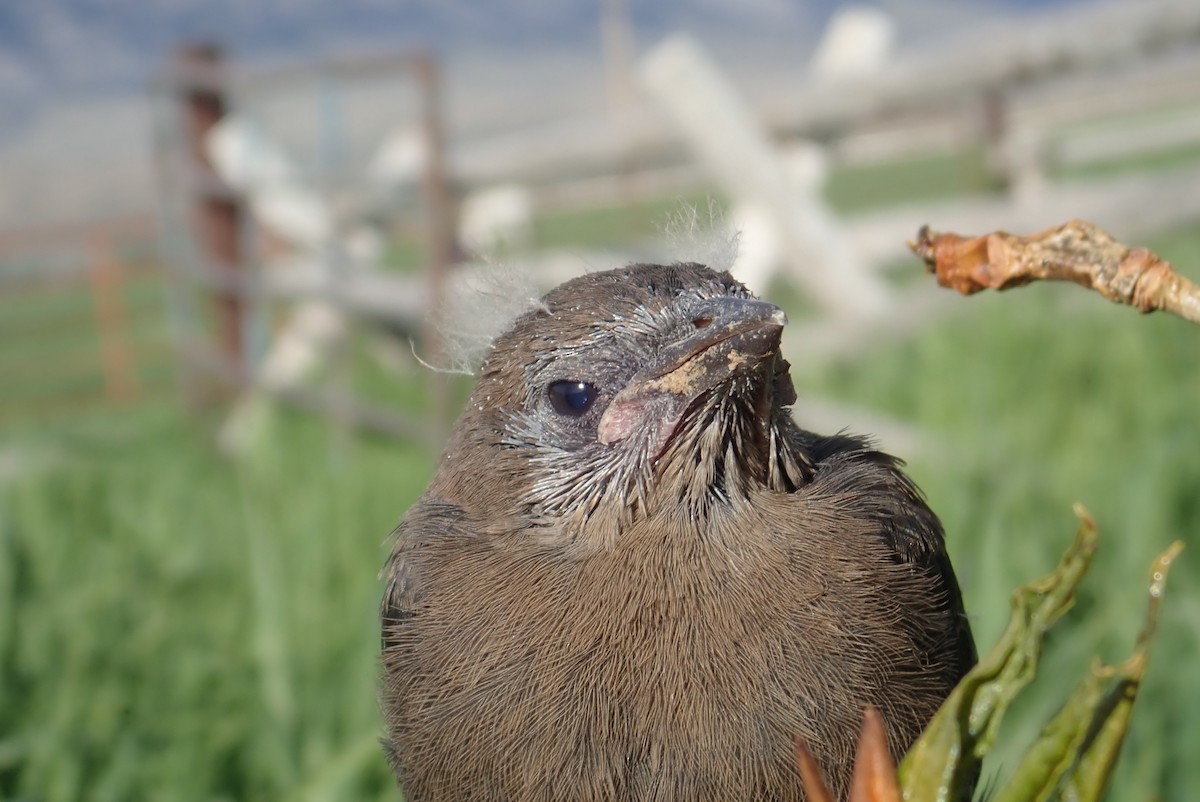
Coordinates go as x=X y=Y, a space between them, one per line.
x=572 y=397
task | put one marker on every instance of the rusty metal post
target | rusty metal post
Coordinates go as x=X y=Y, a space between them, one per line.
x=217 y=213
x=617 y=51
x=112 y=320
x=440 y=245
x=995 y=127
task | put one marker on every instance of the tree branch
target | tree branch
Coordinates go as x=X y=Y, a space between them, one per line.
x=1077 y=251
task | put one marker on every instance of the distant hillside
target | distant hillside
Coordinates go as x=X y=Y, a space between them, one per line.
x=52 y=47
x=75 y=128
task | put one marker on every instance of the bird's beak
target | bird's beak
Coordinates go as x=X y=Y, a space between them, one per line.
x=733 y=336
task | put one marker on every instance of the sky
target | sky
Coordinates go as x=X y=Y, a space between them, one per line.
x=51 y=48
x=74 y=73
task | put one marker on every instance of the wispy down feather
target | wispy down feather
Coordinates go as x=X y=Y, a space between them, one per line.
x=484 y=298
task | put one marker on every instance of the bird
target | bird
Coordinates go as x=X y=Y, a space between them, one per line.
x=634 y=577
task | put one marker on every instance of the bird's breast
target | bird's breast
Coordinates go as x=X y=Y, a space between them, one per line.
x=688 y=652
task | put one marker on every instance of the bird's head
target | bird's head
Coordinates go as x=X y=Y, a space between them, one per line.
x=628 y=388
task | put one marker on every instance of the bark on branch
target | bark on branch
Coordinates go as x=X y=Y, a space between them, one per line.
x=1077 y=251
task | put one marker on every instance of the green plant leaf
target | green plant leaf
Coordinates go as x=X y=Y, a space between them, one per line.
x=946 y=758
x=1108 y=726
x=1077 y=750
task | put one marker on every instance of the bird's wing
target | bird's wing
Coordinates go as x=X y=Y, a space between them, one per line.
x=406 y=574
x=909 y=528
x=428 y=521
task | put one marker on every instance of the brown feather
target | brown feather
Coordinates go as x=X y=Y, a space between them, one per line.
x=571 y=619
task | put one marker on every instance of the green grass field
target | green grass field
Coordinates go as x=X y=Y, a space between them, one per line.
x=174 y=626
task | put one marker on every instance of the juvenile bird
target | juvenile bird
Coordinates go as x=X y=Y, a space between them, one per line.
x=633 y=577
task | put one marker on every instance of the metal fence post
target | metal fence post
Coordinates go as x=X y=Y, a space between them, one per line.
x=216 y=212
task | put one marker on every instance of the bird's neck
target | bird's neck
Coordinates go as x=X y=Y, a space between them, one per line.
x=688 y=492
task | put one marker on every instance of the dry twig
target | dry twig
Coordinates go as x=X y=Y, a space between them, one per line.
x=1077 y=251
x=874 y=778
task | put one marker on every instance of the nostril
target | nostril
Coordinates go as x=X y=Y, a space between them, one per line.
x=702 y=321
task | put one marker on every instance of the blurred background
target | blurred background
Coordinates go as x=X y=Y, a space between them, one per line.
x=226 y=229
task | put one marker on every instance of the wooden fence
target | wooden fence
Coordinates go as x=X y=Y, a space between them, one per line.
x=81 y=319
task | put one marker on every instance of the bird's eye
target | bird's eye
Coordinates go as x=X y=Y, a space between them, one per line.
x=572 y=398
